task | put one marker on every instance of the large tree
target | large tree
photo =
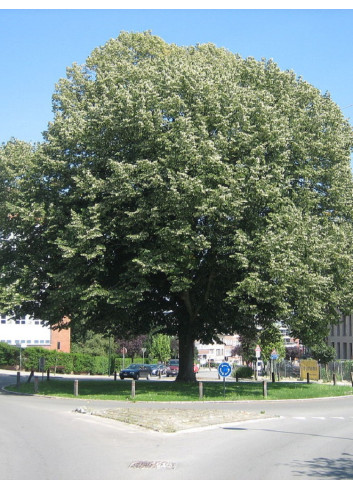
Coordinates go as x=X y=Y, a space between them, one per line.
x=183 y=187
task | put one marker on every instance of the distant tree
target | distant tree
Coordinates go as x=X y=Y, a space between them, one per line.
x=133 y=345
x=93 y=344
x=292 y=352
x=271 y=339
x=323 y=353
x=246 y=348
x=160 y=347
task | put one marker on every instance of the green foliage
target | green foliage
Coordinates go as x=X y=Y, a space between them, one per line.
x=31 y=358
x=160 y=347
x=323 y=353
x=92 y=344
x=185 y=187
x=9 y=355
x=243 y=372
x=271 y=339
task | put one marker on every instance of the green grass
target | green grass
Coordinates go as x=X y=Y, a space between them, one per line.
x=165 y=391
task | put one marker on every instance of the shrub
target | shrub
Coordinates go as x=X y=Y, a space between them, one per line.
x=31 y=356
x=243 y=372
x=9 y=355
x=82 y=363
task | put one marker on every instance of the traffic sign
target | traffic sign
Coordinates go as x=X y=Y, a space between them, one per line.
x=257 y=351
x=224 y=369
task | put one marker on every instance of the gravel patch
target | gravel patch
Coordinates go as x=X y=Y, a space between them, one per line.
x=174 y=420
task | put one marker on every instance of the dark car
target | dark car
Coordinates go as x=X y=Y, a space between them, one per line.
x=158 y=369
x=135 y=371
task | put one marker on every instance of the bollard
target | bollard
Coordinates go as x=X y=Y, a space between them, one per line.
x=334 y=378
x=35 y=384
x=236 y=377
x=18 y=378
x=273 y=377
x=133 y=388
x=48 y=374
x=159 y=373
x=352 y=378
x=307 y=378
x=264 y=388
x=76 y=388
x=115 y=375
x=200 y=390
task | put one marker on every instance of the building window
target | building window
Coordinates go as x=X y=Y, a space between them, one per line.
x=36 y=341
x=338 y=330
x=3 y=319
x=58 y=345
x=350 y=325
x=345 y=350
x=345 y=326
x=21 y=320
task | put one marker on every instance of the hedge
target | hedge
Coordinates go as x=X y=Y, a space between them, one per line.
x=77 y=363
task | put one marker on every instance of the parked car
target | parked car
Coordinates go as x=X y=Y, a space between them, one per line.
x=157 y=369
x=172 y=368
x=135 y=371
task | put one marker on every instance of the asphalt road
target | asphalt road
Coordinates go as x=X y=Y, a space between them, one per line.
x=45 y=439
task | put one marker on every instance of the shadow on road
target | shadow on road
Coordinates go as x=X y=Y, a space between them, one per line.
x=325 y=468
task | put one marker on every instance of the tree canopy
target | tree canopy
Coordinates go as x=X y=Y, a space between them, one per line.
x=185 y=188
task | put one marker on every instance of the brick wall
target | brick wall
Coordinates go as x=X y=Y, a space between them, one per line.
x=61 y=340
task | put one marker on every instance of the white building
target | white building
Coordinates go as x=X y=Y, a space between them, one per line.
x=26 y=331
x=217 y=353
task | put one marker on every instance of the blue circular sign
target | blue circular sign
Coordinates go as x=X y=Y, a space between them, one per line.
x=224 y=369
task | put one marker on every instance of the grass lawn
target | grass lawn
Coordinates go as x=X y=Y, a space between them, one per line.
x=177 y=391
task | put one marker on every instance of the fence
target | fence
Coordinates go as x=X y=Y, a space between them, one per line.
x=342 y=370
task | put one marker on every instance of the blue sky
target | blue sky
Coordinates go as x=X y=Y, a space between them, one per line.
x=37 y=45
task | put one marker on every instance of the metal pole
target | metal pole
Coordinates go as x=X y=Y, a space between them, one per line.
x=200 y=390
x=76 y=388
x=133 y=388
x=264 y=388
x=109 y=353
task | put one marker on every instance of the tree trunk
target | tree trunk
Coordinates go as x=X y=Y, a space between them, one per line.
x=186 y=356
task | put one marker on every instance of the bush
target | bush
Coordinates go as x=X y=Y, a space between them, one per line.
x=9 y=355
x=31 y=356
x=243 y=372
x=82 y=363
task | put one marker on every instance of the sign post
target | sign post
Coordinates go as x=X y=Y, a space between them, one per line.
x=274 y=356
x=123 y=351
x=257 y=354
x=224 y=370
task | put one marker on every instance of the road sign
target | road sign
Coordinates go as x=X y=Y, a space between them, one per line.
x=274 y=356
x=257 y=351
x=224 y=369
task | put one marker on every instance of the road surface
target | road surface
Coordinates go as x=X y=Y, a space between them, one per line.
x=45 y=438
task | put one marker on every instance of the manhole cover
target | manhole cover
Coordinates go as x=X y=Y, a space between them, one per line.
x=143 y=464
